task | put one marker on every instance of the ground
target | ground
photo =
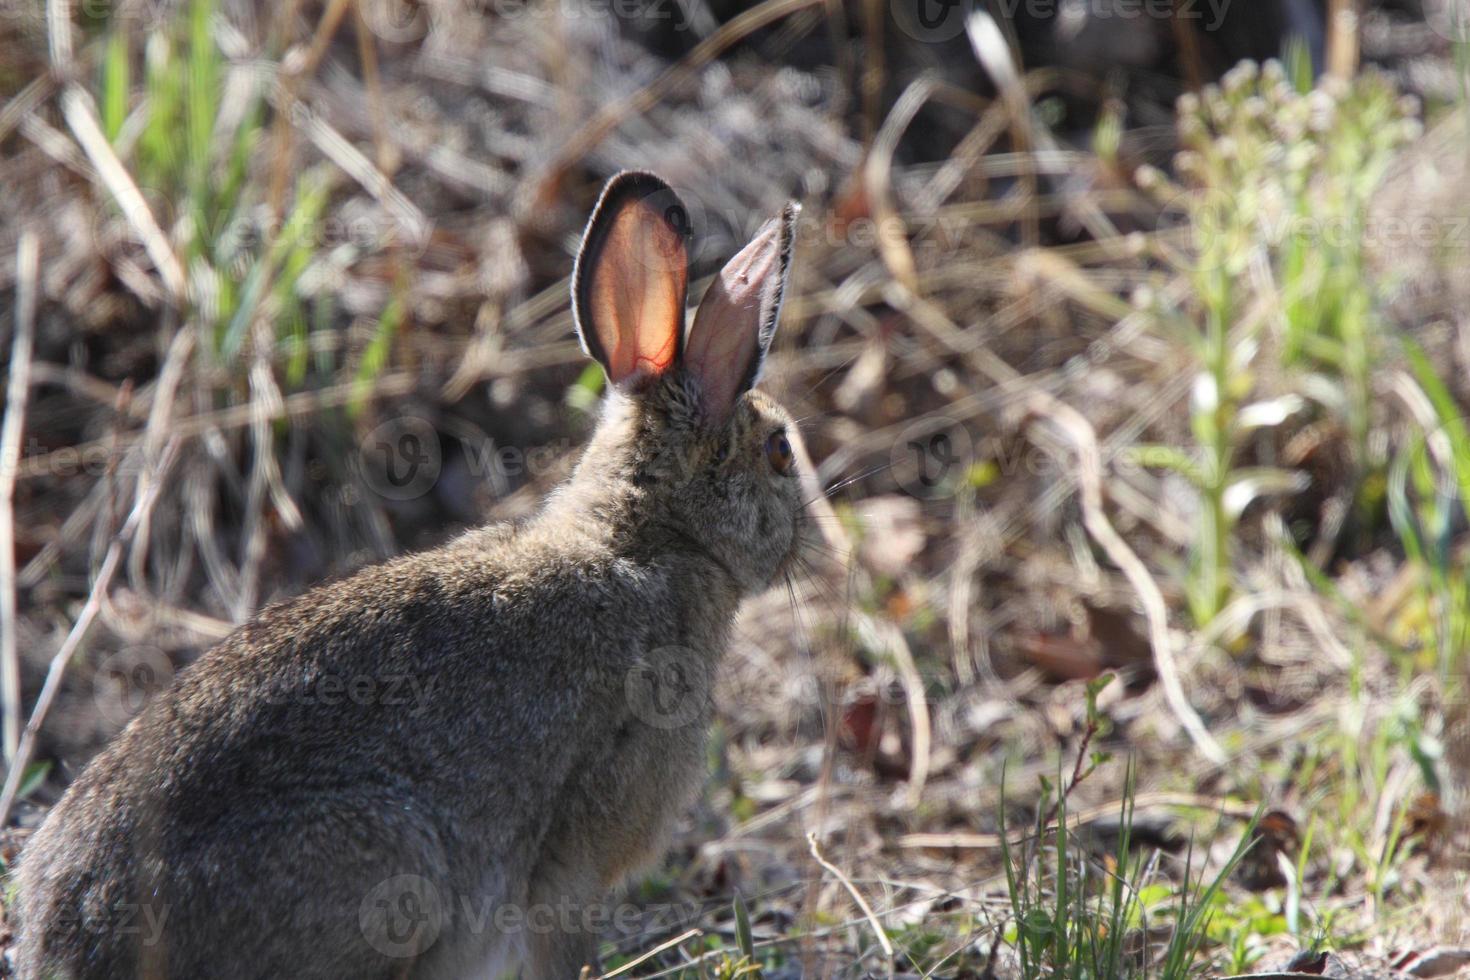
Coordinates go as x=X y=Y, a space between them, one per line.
x=1139 y=397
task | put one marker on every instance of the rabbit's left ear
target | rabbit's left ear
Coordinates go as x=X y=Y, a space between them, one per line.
x=631 y=279
x=735 y=323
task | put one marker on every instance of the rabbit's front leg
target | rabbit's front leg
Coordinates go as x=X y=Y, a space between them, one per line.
x=561 y=956
x=561 y=921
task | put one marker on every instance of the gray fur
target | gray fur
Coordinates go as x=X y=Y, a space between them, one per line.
x=469 y=739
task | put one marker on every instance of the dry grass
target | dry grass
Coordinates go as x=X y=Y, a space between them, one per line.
x=202 y=409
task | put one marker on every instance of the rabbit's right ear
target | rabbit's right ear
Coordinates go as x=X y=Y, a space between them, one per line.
x=632 y=279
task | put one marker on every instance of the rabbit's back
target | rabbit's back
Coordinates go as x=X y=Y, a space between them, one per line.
x=449 y=723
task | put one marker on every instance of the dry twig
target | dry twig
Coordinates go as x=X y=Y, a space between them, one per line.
x=81 y=115
x=1089 y=478
x=857 y=896
x=676 y=941
x=142 y=505
x=26 y=262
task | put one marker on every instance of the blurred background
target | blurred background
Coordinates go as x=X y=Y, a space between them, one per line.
x=1130 y=337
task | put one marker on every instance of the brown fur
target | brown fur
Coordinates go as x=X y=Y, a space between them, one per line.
x=475 y=717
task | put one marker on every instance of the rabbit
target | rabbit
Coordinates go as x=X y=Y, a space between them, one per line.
x=440 y=766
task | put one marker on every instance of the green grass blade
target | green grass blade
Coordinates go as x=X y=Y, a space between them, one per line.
x=1451 y=421
x=116 y=82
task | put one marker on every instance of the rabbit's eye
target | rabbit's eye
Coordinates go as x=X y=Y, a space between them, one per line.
x=778 y=451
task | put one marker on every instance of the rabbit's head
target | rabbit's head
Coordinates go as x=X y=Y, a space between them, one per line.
x=703 y=462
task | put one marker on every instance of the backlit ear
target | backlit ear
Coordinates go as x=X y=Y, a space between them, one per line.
x=632 y=278
x=736 y=321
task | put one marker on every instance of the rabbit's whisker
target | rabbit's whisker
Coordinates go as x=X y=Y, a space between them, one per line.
x=849 y=481
x=816 y=578
x=801 y=635
x=811 y=389
x=821 y=589
x=822 y=548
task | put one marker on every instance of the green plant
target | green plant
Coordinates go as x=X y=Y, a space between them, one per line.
x=1344 y=766
x=1081 y=916
x=1242 y=931
x=1275 y=206
x=189 y=146
x=1428 y=482
x=1077 y=918
x=742 y=964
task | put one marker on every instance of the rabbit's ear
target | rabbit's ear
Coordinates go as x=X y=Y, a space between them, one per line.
x=632 y=279
x=735 y=322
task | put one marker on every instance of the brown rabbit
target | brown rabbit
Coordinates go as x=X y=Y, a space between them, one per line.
x=438 y=767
